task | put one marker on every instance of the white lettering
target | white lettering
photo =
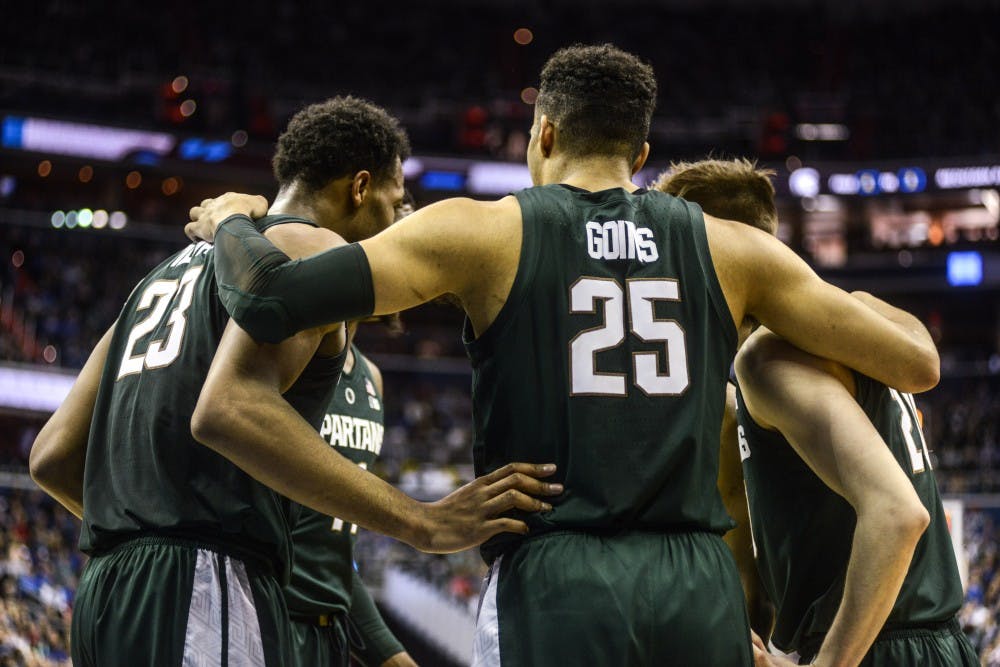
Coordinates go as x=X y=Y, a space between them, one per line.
x=353 y=433
x=621 y=239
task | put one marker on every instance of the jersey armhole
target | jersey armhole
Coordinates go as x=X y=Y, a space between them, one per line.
x=478 y=348
x=712 y=284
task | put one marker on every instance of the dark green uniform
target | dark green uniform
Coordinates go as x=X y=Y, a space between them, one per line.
x=610 y=358
x=322 y=588
x=172 y=525
x=803 y=532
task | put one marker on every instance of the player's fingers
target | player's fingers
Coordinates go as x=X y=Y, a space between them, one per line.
x=205 y=202
x=514 y=499
x=189 y=231
x=757 y=641
x=503 y=525
x=533 y=469
x=259 y=207
x=760 y=658
x=196 y=212
x=525 y=483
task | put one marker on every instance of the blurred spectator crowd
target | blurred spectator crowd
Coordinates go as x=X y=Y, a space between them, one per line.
x=905 y=79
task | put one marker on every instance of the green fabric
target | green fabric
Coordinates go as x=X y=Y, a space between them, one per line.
x=378 y=642
x=352 y=422
x=636 y=599
x=946 y=646
x=631 y=459
x=315 y=646
x=803 y=531
x=273 y=297
x=144 y=471
x=132 y=606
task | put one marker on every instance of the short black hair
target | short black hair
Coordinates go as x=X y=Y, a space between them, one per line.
x=600 y=98
x=336 y=138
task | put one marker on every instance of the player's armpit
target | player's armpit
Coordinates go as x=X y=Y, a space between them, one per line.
x=58 y=454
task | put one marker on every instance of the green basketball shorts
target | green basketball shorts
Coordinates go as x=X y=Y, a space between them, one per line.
x=168 y=602
x=628 y=600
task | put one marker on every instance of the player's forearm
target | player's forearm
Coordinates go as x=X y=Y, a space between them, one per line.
x=905 y=322
x=264 y=436
x=273 y=297
x=880 y=557
x=61 y=478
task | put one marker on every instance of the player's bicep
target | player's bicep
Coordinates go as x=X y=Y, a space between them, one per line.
x=241 y=361
x=431 y=252
x=790 y=299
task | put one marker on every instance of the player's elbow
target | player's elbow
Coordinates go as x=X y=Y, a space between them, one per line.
x=927 y=370
x=208 y=421
x=44 y=465
x=908 y=519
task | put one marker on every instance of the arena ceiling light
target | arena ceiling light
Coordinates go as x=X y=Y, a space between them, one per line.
x=98 y=142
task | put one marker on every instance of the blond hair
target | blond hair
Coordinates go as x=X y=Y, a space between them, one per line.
x=731 y=189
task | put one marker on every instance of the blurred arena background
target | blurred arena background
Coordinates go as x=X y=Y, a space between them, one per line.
x=881 y=119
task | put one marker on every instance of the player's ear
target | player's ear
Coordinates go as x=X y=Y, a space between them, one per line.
x=360 y=185
x=640 y=161
x=546 y=135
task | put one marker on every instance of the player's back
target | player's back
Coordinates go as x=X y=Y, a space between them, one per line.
x=145 y=474
x=609 y=358
x=803 y=531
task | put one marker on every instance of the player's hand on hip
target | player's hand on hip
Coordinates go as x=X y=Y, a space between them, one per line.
x=401 y=659
x=763 y=658
x=475 y=512
x=209 y=214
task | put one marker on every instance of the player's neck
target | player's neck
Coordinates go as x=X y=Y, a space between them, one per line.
x=591 y=173
x=315 y=205
x=352 y=328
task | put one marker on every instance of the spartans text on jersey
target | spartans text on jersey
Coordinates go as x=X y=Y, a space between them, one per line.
x=352 y=432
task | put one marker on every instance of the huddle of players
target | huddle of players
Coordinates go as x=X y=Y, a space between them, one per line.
x=215 y=535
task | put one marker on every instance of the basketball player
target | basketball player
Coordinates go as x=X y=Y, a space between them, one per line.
x=325 y=588
x=841 y=493
x=187 y=550
x=601 y=326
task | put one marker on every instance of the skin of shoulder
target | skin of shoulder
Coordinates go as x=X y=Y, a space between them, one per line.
x=457 y=246
x=763 y=363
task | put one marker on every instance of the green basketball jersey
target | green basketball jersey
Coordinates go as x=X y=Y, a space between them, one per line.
x=145 y=474
x=803 y=531
x=324 y=546
x=609 y=358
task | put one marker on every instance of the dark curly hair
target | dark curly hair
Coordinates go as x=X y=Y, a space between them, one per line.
x=600 y=98
x=339 y=137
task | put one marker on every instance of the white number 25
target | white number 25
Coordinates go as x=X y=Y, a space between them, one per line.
x=642 y=296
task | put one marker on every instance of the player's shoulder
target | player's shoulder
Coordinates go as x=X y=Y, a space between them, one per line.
x=297 y=239
x=766 y=358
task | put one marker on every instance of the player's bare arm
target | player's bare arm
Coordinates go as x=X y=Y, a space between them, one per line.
x=245 y=373
x=58 y=453
x=740 y=539
x=459 y=246
x=811 y=402
x=763 y=278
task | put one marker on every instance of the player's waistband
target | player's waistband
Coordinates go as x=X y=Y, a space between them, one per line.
x=810 y=647
x=490 y=551
x=255 y=563
x=332 y=620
